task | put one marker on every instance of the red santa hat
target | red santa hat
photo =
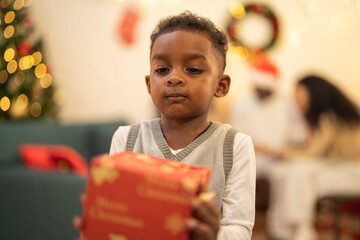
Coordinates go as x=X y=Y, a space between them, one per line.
x=263 y=72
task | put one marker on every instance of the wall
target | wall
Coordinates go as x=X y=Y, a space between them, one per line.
x=102 y=79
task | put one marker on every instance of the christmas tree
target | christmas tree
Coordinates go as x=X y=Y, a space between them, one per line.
x=26 y=86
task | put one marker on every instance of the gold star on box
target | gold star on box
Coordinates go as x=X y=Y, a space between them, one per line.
x=174 y=224
x=114 y=236
x=104 y=172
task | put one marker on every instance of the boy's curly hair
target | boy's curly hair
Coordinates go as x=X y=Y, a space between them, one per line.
x=189 y=21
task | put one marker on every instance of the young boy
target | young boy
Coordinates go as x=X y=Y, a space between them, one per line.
x=187 y=59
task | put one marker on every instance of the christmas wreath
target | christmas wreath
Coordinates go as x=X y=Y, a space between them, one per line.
x=242 y=12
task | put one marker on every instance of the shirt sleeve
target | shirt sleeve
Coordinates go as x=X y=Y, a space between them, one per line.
x=238 y=210
x=118 y=142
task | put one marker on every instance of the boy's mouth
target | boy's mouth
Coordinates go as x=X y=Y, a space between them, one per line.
x=175 y=96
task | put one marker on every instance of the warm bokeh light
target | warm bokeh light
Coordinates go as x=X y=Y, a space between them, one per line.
x=46 y=81
x=237 y=9
x=26 y=62
x=18 y=4
x=40 y=70
x=27 y=3
x=9 y=54
x=240 y=50
x=12 y=66
x=5 y=104
x=3 y=76
x=22 y=101
x=5 y=3
x=19 y=78
x=9 y=17
x=35 y=109
x=37 y=58
x=9 y=31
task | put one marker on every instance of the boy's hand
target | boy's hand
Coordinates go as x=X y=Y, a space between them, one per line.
x=205 y=223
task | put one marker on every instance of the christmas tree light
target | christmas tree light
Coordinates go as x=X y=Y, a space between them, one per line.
x=26 y=85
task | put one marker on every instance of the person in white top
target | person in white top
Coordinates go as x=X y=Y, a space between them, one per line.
x=271 y=119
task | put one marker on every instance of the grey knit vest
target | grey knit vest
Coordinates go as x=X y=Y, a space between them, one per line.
x=212 y=149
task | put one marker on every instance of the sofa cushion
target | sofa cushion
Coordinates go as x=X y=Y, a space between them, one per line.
x=39 y=132
x=87 y=139
x=39 y=205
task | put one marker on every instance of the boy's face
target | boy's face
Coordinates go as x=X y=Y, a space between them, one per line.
x=185 y=75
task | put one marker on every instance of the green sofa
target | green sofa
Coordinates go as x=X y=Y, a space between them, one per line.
x=40 y=205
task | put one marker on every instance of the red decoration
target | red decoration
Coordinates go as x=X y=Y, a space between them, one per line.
x=24 y=48
x=53 y=157
x=128 y=24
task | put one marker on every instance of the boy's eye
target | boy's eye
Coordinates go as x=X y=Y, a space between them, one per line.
x=194 y=70
x=161 y=70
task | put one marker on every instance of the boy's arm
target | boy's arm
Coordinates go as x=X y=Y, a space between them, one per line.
x=238 y=208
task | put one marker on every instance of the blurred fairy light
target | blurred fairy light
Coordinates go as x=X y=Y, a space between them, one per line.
x=37 y=56
x=27 y=3
x=240 y=51
x=5 y=103
x=12 y=66
x=3 y=76
x=19 y=4
x=26 y=62
x=237 y=9
x=9 y=54
x=40 y=70
x=9 y=17
x=5 y=3
x=46 y=81
x=22 y=101
x=35 y=109
x=9 y=31
x=19 y=78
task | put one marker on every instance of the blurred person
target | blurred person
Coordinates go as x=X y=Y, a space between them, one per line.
x=329 y=164
x=271 y=119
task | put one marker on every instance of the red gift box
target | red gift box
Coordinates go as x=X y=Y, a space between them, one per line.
x=132 y=196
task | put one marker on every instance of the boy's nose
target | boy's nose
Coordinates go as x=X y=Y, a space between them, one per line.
x=175 y=80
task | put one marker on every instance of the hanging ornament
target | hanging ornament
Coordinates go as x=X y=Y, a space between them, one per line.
x=127 y=25
x=24 y=48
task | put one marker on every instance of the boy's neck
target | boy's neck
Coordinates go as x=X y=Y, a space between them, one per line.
x=180 y=133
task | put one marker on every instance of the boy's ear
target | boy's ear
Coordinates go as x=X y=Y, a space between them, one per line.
x=223 y=86
x=147 y=81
